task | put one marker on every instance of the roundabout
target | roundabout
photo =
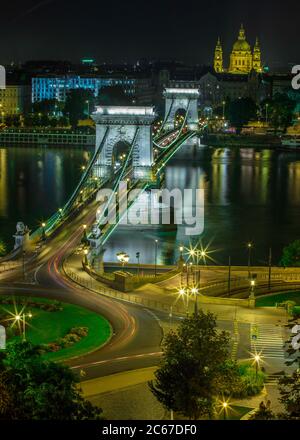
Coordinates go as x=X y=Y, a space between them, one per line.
x=64 y=331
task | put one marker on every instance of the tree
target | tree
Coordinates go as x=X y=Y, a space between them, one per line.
x=12 y=120
x=114 y=95
x=195 y=368
x=291 y=255
x=280 y=111
x=79 y=104
x=36 y=389
x=47 y=106
x=289 y=388
x=240 y=112
x=2 y=248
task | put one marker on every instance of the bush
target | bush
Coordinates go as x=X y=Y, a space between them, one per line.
x=73 y=336
x=249 y=384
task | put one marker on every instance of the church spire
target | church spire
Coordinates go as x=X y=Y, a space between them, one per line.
x=218 y=60
x=242 y=35
x=257 y=57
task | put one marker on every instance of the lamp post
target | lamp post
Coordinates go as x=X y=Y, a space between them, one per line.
x=267 y=106
x=181 y=252
x=86 y=261
x=123 y=258
x=88 y=107
x=224 y=103
x=194 y=291
x=43 y=231
x=270 y=268
x=138 y=262
x=224 y=405
x=84 y=237
x=155 y=266
x=252 y=288
x=257 y=360
x=22 y=318
x=249 y=246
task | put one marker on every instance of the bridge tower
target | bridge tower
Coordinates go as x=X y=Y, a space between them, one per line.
x=131 y=125
x=185 y=98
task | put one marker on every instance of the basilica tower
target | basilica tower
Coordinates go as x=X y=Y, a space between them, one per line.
x=241 y=55
x=218 y=59
x=257 y=57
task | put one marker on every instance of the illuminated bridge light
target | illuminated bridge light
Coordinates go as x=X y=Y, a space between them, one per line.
x=134 y=111
x=182 y=91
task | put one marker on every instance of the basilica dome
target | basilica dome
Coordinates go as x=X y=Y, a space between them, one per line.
x=241 y=46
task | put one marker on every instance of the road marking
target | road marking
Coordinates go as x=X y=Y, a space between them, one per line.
x=36 y=272
x=269 y=341
x=236 y=338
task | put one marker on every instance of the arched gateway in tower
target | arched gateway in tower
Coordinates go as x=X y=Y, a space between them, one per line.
x=181 y=98
x=127 y=125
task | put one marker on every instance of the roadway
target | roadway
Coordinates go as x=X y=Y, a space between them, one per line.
x=137 y=332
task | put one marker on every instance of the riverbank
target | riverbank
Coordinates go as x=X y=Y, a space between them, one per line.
x=245 y=140
x=45 y=136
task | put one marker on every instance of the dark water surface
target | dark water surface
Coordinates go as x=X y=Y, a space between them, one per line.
x=249 y=195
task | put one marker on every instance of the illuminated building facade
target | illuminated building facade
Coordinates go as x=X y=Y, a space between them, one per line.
x=242 y=59
x=57 y=87
x=14 y=99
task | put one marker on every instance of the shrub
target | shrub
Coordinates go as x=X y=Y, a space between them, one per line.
x=249 y=384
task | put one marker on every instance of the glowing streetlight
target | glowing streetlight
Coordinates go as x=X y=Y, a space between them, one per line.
x=84 y=239
x=224 y=407
x=257 y=358
x=249 y=246
x=43 y=231
x=123 y=258
x=155 y=266
x=86 y=261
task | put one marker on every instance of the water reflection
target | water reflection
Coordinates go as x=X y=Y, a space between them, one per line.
x=34 y=183
x=249 y=195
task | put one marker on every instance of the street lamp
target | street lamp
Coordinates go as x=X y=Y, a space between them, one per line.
x=88 y=107
x=21 y=318
x=267 y=106
x=137 y=255
x=155 y=266
x=257 y=359
x=224 y=102
x=86 y=261
x=123 y=258
x=252 y=288
x=43 y=231
x=181 y=252
x=84 y=238
x=249 y=246
x=194 y=291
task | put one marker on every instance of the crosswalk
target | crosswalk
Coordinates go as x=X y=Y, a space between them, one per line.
x=268 y=342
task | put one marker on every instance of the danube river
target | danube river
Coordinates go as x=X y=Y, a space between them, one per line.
x=249 y=195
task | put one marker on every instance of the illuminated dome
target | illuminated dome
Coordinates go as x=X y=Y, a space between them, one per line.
x=241 y=45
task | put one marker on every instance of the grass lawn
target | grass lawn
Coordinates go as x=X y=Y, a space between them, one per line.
x=270 y=301
x=45 y=327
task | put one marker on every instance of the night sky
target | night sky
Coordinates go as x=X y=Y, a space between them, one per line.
x=120 y=30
